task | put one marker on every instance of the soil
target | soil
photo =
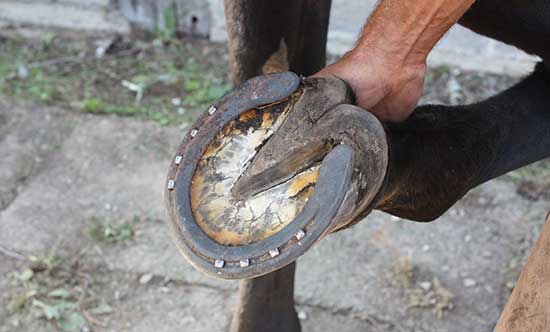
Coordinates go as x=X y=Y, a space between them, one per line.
x=83 y=241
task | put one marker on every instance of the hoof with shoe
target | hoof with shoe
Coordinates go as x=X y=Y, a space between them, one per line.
x=269 y=170
x=280 y=162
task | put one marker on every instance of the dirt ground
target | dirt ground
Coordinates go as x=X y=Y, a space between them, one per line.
x=86 y=137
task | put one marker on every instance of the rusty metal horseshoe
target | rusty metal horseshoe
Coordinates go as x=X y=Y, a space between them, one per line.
x=353 y=165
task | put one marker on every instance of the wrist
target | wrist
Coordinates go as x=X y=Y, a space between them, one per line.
x=390 y=52
x=383 y=64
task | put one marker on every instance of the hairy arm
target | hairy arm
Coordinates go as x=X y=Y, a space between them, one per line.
x=387 y=66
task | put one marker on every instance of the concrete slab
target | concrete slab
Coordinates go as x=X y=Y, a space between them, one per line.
x=63 y=16
x=71 y=185
x=90 y=3
x=166 y=309
x=189 y=16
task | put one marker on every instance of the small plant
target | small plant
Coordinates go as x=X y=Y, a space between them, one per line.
x=437 y=297
x=432 y=295
x=203 y=92
x=48 y=39
x=43 y=93
x=61 y=307
x=52 y=289
x=169 y=28
x=401 y=273
x=170 y=22
x=97 y=106
x=20 y=300
x=93 y=105
x=112 y=233
x=46 y=262
x=36 y=294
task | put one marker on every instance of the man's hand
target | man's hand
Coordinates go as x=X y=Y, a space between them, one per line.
x=390 y=91
x=387 y=67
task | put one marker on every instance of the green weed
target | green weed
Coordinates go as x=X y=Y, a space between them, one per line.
x=201 y=91
x=18 y=302
x=538 y=172
x=112 y=233
x=37 y=293
x=56 y=72
x=46 y=262
x=95 y=105
x=169 y=29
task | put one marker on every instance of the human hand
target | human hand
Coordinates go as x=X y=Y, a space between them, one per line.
x=386 y=68
x=388 y=90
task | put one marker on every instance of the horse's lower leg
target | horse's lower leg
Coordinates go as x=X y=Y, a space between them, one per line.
x=441 y=152
x=266 y=303
x=256 y=30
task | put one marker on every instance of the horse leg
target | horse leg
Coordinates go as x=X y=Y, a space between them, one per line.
x=257 y=30
x=468 y=145
x=441 y=152
x=525 y=25
x=294 y=32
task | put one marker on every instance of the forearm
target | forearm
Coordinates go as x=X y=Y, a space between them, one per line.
x=406 y=30
x=386 y=68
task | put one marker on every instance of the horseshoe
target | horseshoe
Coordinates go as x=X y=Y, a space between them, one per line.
x=269 y=170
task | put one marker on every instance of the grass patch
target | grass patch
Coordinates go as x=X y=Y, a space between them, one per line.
x=419 y=294
x=138 y=78
x=204 y=92
x=533 y=181
x=437 y=298
x=110 y=232
x=537 y=172
x=54 y=289
x=169 y=29
x=401 y=273
x=36 y=294
x=94 y=105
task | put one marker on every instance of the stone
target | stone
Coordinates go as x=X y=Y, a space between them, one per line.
x=425 y=285
x=468 y=282
x=145 y=278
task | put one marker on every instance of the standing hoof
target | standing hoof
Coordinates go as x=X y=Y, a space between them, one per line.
x=286 y=321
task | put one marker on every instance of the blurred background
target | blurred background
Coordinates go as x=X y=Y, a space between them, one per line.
x=95 y=96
